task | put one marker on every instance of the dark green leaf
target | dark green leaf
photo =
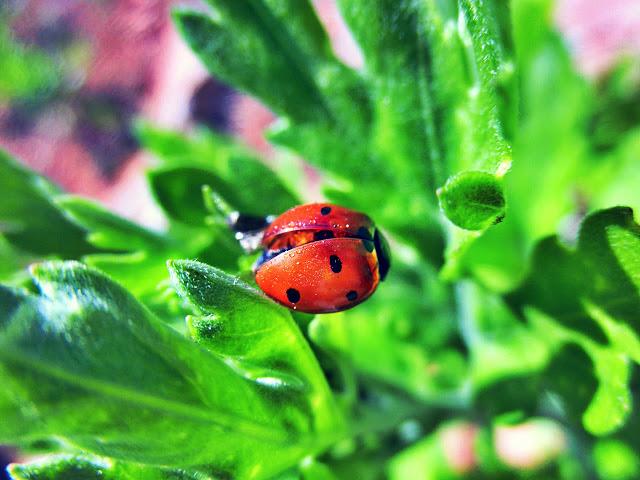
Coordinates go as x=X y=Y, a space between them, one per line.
x=129 y=247
x=245 y=59
x=179 y=192
x=28 y=218
x=603 y=270
x=190 y=162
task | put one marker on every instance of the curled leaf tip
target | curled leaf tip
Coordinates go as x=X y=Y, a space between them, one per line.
x=473 y=200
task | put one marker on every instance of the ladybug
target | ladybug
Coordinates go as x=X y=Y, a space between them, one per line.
x=317 y=258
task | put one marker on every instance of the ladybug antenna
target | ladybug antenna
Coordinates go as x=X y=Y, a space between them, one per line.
x=217 y=205
x=247 y=228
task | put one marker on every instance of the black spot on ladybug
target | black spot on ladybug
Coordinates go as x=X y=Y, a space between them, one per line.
x=352 y=295
x=293 y=295
x=323 y=235
x=336 y=263
x=368 y=245
x=363 y=232
x=325 y=210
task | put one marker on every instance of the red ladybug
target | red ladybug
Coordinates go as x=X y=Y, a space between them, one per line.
x=321 y=258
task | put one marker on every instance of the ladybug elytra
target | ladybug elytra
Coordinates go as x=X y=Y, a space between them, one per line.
x=321 y=258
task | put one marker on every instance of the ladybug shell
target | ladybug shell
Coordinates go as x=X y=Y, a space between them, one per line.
x=323 y=276
x=315 y=221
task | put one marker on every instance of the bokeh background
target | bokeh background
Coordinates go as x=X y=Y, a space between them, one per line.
x=77 y=75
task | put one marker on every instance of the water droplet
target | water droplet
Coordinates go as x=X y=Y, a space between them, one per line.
x=266 y=377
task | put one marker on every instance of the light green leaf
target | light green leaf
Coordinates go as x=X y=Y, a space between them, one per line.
x=473 y=200
x=90 y=365
x=26 y=71
x=552 y=167
x=592 y=293
x=255 y=335
x=426 y=459
x=95 y=468
x=400 y=336
x=469 y=68
x=615 y=460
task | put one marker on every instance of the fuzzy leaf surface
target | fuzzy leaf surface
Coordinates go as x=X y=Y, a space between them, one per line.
x=67 y=353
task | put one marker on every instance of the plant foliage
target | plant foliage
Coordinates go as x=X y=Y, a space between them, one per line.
x=507 y=183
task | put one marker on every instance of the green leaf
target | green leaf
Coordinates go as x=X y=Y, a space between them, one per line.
x=390 y=339
x=190 y=162
x=30 y=220
x=396 y=56
x=426 y=459
x=106 y=230
x=179 y=192
x=314 y=470
x=255 y=335
x=88 y=364
x=473 y=200
x=26 y=71
x=12 y=261
x=244 y=58
x=579 y=379
x=127 y=248
x=94 y=468
x=469 y=66
x=552 y=166
x=591 y=294
x=299 y=18
x=615 y=460
x=603 y=270
x=326 y=112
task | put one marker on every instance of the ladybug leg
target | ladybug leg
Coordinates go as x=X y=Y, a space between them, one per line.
x=383 y=253
x=265 y=256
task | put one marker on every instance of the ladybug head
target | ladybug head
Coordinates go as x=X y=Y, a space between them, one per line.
x=243 y=223
x=383 y=253
x=248 y=229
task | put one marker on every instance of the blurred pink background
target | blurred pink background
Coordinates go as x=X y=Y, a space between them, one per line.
x=124 y=60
